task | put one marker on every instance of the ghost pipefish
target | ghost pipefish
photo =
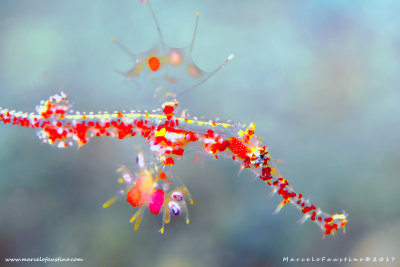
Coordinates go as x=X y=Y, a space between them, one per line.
x=169 y=132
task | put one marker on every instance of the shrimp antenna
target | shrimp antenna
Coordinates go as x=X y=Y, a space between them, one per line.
x=139 y=85
x=230 y=57
x=156 y=22
x=190 y=55
x=194 y=33
x=134 y=57
x=124 y=48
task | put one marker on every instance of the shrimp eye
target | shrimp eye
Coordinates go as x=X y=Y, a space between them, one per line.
x=177 y=196
x=174 y=207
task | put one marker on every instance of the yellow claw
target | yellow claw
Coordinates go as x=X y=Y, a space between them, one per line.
x=109 y=202
x=137 y=223
x=137 y=214
x=167 y=218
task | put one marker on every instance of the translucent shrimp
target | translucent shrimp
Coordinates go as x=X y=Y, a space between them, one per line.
x=152 y=189
x=167 y=72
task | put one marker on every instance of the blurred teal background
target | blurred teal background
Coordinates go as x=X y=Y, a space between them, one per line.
x=320 y=79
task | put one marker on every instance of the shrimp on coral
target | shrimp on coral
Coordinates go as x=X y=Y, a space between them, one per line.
x=153 y=189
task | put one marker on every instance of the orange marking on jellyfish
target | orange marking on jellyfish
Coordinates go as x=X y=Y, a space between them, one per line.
x=154 y=63
x=193 y=71
x=175 y=58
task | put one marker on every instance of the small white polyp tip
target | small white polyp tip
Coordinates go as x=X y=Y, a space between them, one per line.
x=231 y=56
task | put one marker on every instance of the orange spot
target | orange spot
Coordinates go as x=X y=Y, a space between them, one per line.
x=169 y=161
x=154 y=63
x=163 y=176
